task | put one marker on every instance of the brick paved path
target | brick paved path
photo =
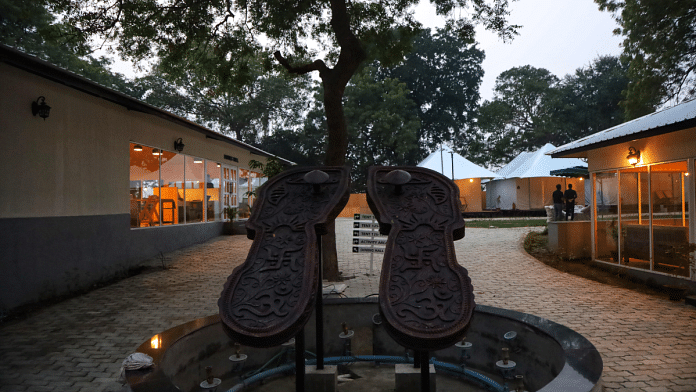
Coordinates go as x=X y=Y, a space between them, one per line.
x=647 y=343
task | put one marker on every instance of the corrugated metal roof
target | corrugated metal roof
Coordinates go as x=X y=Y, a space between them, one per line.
x=441 y=162
x=537 y=164
x=660 y=122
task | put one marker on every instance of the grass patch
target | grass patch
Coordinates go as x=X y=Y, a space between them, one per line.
x=504 y=223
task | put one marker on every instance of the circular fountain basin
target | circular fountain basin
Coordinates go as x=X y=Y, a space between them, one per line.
x=550 y=356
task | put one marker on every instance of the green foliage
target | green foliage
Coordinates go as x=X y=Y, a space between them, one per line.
x=269 y=101
x=443 y=75
x=532 y=107
x=28 y=26
x=272 y=167
x=660 y=45
x=382 y=124
x=504 y=223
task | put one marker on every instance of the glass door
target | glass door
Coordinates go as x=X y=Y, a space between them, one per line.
x=229 y=189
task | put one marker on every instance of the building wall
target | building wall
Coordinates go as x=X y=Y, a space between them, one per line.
x=673 y=146
x=470 y=194
x=64 y=202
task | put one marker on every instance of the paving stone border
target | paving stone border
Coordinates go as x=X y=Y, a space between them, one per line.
x=648 y=344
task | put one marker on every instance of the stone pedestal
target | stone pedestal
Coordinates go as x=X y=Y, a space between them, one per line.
x=324 y=380
x=408 y=378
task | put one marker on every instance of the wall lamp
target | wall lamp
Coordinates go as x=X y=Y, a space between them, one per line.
x=179 y=145
x=39 y=107
x=137 y=147
x=633 y=156
x=156 y=152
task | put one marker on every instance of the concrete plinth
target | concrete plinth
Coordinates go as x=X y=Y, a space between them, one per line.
x=324 y=380
x=408 y=378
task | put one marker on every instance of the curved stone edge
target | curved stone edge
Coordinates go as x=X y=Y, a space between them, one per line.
x=583 y=364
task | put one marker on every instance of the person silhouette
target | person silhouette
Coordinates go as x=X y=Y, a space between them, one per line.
x=570 y=196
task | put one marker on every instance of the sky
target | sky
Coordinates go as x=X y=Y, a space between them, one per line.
x=559 y=35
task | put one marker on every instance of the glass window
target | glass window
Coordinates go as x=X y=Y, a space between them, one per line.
x=194 y=190
x=243 y=189
x=606 y=224
x=670 y=218
x=635 y=218
x=229 y=189
x=144 y=177
x=172 y=188
x=212 y=193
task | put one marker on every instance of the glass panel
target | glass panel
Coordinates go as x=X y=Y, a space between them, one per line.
x=255 y=182
x=212 y=194
x=670 y=218
x=635 y=218
x=144 y=176
x=172 y=188
x=194 y=189
x=244 y=204
x=606 y=224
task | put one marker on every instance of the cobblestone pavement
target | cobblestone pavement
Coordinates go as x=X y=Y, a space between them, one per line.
x=648 y=344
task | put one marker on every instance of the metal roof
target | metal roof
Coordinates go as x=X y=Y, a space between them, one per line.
x=536 y=164
x=673 y=119
x=576 y=171
x=32 y=64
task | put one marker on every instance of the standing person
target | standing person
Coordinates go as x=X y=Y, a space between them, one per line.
x=570 y=196
x=558 y=203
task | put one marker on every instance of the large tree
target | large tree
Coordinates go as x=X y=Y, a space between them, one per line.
x=532 y=107
x=660 y=43
x=443 y=74
x=270 y=101
x=518 y=117
x=219 y=36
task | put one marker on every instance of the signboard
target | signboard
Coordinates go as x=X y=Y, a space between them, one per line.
x=367 y=249
x=369 y=241
x=363 y=217
x=365 y=225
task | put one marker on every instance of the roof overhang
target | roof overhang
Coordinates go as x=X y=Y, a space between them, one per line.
x=56 y=74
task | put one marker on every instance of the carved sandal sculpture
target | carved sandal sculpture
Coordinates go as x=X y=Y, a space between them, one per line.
x=268 y=299
x=425 y=296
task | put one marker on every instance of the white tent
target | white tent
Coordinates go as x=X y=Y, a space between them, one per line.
x=465 y=174
x=525 y=183
x=442 y=162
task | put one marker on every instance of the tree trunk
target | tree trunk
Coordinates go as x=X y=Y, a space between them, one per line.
x=334 y=81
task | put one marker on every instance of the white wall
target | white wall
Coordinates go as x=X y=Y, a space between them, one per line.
x=76 y=162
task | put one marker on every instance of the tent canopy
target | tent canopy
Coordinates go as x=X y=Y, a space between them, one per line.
x=537 y=164
x=441 y=162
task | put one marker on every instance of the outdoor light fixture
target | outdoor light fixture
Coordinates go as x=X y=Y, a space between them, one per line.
x=156 y=151
x=179 y=145
x=39 y=107
x=471 y=180
x=197 y=160
x=137 y=147
x=633 y=156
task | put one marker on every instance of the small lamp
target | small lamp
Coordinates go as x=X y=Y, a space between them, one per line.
x=39 y=107
x=179 y=145
x=137 y=147
x=633 y=156
x=197 y=160
x=156 y=151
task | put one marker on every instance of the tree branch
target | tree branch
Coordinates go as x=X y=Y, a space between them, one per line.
x=317 y=65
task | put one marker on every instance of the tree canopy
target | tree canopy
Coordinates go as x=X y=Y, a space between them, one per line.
x=220 y=37
x=443 y=74
x=660 y=44
x=532 y=107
